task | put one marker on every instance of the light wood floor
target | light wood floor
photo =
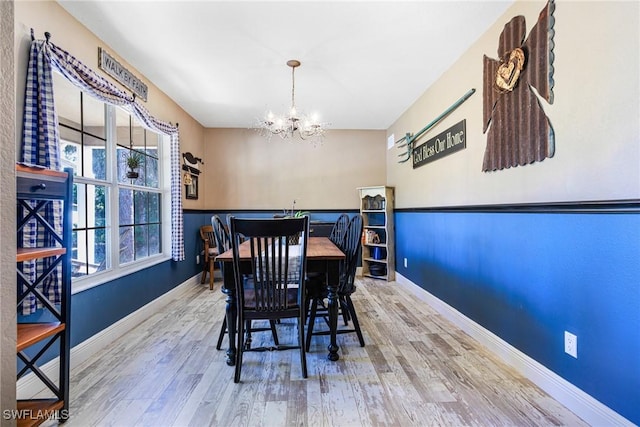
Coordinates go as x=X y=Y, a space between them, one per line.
x=416 y=370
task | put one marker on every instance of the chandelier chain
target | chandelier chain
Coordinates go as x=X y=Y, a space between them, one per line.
x=293 y=87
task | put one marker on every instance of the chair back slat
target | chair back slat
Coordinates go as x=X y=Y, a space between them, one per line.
x=339 y=229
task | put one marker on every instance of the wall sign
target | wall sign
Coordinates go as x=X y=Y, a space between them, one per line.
x=445 y=143
x=112 y=67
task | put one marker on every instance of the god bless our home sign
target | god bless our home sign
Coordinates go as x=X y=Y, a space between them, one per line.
x=445 y=143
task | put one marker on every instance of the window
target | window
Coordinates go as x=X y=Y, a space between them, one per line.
x=118 y=223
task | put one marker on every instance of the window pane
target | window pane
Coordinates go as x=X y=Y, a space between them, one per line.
x=152 y=144
x=70 y=151
x=121 y=163
x=79 y=253
x=93 y=116
x=151 y=173
x=79 y=218
x=140 y=207
x=137 y=134
x=88 y=251
x=154 y=207
x=141 y=169
x=96 y=206
x=67 y=100
x=126 y=244
x=95 y=160
x=141 y=241
x=89 y=205
x=125 y=214
x=154 y=239
x=122 y=127
x=97 y=250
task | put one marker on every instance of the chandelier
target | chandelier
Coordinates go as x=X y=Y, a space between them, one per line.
x=287 y=125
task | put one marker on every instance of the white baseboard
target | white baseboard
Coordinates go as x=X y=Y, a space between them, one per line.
x=30 y=385
x=580 y=403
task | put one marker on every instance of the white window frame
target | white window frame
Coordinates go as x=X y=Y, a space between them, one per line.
x=115 y=270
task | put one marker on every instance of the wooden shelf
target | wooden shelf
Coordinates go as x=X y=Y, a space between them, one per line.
x=381 y=261
x=28 y=254
x=31 y=333
x=37 y=411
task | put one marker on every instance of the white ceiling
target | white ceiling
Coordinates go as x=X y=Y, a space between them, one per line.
x=363 y=62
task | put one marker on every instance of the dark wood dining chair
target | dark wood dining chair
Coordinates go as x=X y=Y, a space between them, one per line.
x=317 y=291
x=270 y=285
x=339 y=229
x=208 y=253
x=223 y=244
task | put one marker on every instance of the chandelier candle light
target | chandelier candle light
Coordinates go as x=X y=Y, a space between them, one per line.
x=287 y=125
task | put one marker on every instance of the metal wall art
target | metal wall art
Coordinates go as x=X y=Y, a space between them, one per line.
x=518 y=130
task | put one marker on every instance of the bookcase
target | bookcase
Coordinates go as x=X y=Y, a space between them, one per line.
x=37 y=190
x=378 y=250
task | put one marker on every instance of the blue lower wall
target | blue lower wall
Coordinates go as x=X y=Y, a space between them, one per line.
x=99 y=307
x=529 y=276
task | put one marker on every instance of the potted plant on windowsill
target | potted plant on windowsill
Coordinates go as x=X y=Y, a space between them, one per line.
x=133 y=163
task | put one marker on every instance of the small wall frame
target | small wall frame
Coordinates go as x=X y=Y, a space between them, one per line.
x=191 y=190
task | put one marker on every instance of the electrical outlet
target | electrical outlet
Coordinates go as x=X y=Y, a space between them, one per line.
x=570 y=344
x=405 y=263
x=197 y=259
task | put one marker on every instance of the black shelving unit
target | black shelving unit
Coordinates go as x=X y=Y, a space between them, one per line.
x=38 y=189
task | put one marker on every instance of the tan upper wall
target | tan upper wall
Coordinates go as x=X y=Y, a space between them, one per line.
x=67 y=33
x=595 y=115
x=243 y=170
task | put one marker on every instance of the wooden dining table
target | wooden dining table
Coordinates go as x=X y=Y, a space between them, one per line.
x=323 y=257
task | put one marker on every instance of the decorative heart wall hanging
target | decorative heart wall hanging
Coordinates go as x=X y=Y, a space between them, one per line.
x=518 y=130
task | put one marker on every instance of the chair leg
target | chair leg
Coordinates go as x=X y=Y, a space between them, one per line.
x=204 y=275
x=274 y=332
x=301 y=344
x=345 y=313
x=312 y=319
x=223 y=330
x=354 y=317
x=239 y=349
x=249 y=338
x=211 y=267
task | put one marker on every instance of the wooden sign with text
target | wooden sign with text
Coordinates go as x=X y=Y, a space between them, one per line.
x=112 y=67
x=445 y=143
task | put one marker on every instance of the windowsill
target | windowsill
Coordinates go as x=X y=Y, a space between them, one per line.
x=107 y=276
